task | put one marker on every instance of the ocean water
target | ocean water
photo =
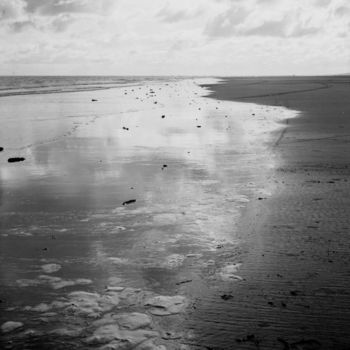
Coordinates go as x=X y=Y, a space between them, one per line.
x=22 y=85
x=123 y=215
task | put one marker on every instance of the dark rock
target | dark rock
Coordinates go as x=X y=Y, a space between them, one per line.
x=94 y=100
x=199 y=126
x=129 y=201
x=226 y=296
x=182 y=282
x=295 y=292
x=125 y=128
x=16 y=159
x=1 y=149
x=163 y=116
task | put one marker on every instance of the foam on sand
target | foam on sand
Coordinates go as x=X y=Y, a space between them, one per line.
x=10 y=326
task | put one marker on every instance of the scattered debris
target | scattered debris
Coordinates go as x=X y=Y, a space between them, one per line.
x=125 y=128
x=130 y=201
x=182 y=282
x=16 y=159
x=164 y=166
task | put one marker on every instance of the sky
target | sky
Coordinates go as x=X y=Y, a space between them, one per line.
x=174 y=37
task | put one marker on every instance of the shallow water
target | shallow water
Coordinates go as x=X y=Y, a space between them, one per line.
x=64 y=227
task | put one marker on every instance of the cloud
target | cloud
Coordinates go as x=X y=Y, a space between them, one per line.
x=10 y=9
x=56 y=7
x=18 y=26
x=342 y=11
x=271 y=28
x=322 y=3
x=266 y=19
x=170 y=15
x=173 y=37
x=225 y=24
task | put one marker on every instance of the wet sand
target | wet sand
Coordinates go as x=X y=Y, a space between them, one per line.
x=122 y=218
x=163 y=216
x=295 y=293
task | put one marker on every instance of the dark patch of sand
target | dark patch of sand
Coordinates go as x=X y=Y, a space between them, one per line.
x=295 y=291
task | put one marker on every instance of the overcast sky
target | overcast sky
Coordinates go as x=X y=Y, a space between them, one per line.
x=187 y=37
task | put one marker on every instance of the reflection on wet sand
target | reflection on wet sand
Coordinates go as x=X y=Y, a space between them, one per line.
x=80 y=269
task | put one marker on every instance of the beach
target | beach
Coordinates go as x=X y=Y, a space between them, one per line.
x=182 y=213
x=296 y=290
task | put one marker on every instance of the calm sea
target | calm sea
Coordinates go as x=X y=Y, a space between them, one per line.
x=24 y=85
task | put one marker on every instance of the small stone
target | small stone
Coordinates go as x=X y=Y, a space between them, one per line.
x=129 y=202
x=16 y=159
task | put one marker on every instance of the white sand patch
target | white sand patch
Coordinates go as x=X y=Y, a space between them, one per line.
x=42 y=307
x=20 y=233
x=149 y=345
x=51 y=268
x=91 y=304
x=71 y=332
x=10 y=326
x=174 y=260
x=119 y=261
x=228 y=272
x=53 y=282
x=125 y=339
x=131 y=321
x=134 y=320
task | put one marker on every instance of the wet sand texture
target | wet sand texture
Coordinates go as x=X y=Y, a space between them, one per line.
x=120 y=222
x=123 y=229
x=296 y=289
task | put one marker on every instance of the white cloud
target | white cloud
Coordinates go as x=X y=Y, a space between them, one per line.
x=231 y=37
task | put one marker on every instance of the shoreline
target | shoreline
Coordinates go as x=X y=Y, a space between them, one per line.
x=224 y=214
x=138 y=194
